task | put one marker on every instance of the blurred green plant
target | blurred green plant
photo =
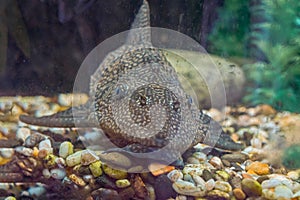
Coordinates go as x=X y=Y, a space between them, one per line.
x=231 y=31
x=11 y=22
x=276 y=81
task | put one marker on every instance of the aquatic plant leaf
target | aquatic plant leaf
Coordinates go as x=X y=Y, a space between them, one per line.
x=17 y=28
x=3 y=38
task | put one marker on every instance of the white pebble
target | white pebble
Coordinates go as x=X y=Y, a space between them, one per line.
x=74 y=159
x=210 y=184
x=65 y=149
x=58 y=173
x=60 y=162
x=187 y=188
x=36 y=191
x=174 y=175
x=283 y=192
x=294 y=175
x=256 y=143
x=24 y=151
x=46 y=145
x=46 y=173
x=200 y=156
x=22 y=134
x=7 y=152
x=216 y=162
x=199 y=181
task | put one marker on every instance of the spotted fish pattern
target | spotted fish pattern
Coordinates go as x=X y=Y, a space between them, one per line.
x=153 y=99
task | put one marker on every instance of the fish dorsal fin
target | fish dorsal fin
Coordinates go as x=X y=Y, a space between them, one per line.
x=140 y=33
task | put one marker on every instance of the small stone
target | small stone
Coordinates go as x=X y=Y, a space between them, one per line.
x=46 y=145
x=207 y=175
x=223 y=186
x=236 y=182
x=23 y=133
x=50 y=160
x=106 y=182
x=151 y=192
x=74 y=159
x=210 y=184
x=174 y=175
x=217 y=194
x=256 y=143
x=65 y=149
x=139 y=187
x=10 y=198
x=77 y=180
x=199 y=181
x=122 y=183
x=221 y=175
x=258 y=168
x=181 y=197
x=283 y=192
x=7 y=152
x=251 y=187
x=36 y=191
x=297 y=195
x=266 y=110
x=88 y=157
x=262 y=178
x=24 y=151
x=216 y=162
x=46 y=173
x=127 y=193
x=58 y=173
x=294 y=175
x=105 y=194
x=235 y=157
x=200 y=156
x=239 y=194
x=188 y=188
x=34 y=139
x=60 y=162
x=192 y=160
x=163 y=188
x=96 y=169
x=114 y=173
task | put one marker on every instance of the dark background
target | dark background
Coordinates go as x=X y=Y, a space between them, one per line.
x=60 y=33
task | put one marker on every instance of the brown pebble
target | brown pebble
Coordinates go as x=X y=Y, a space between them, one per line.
x=235 y=157
x=239 y=194
x=42 y=153
x=127 y=193
x=262 y=178
x=139 y=187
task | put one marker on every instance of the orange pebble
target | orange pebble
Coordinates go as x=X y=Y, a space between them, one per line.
x=258 y=168
x=35 y=152
x=250 y=171
x=163 y=170
x=245 y=175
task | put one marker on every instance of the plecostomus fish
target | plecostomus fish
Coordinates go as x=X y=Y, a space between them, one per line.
x=138 y=102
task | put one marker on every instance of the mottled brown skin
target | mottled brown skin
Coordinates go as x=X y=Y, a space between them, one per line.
x=136 y=53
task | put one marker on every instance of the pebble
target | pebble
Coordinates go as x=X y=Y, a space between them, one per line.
x=188 y=188
x=174 y=175
x=36 y=191
x=88 y=157
x=58 y=173
x=24 y=151
x=207 y=175
x=273 y=182
x=60 y=162
x=139 y=187
x=283 y=192
x=128 y=194
x=235 y=157
x=65 y=149
x=163 y=188
x=34 y=139
x=201 y=157
x=216 y=162
x=199 y=181
x=74 y=159
x=96 y=169
x=251 y=187
x=10 y=198
x=222 y=175
x=46 y=173
x=239 y=194
x=122 y=183
x=256 y=143
x=217 y=194
x=258 y=168
x=7 y=152
x=114 y=173
x=77 y=180
x=22 y=133
x=105 y=194
x=210 y=184
x=46 y=145
x=294 y=175
x=223 y=186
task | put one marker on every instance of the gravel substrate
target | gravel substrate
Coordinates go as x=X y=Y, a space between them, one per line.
x=52 y=163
